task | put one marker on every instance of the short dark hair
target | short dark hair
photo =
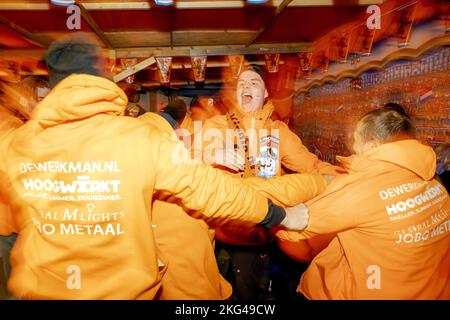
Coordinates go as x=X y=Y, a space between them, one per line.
x=255 y=68
x=386 y=124
x=177 y=109
x=395 y=107
x=76 y=53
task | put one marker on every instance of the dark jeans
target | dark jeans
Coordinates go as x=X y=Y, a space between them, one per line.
x=6 y=244
x=259 y=272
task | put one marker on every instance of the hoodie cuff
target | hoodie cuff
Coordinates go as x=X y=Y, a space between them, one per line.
x=274 y=216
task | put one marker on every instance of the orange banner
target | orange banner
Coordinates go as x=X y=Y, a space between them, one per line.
x=341 y=48
x=405 y=24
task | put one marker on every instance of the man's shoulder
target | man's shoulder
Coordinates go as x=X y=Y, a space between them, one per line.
x=278 y=124
x=130 y=127
x=156 y=121
x=285 y=131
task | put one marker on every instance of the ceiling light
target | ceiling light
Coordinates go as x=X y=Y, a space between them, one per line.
x=164 y=2
x=256 y=1
x=62 y=2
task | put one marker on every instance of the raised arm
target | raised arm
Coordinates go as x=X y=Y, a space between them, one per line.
x=296 y=157
x=288 y=190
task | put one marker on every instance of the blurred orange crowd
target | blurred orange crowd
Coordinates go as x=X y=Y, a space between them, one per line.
x=326 y=123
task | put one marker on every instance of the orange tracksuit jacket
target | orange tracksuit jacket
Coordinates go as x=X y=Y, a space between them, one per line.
x=392 y=224
x=192 y=271
x=285 y=145
x=83 y=179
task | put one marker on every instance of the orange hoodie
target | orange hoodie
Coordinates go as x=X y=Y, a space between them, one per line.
x=192 y=271
x=86 y=178
x=287 y=149
x=286 y=145
x=185 y=243
x=391 y=220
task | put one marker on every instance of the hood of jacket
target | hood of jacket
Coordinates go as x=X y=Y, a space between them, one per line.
x=257 y=119
x=80 y=96
x=409 y=154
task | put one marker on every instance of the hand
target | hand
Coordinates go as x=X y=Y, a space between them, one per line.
x=230 y=159
x=296 y=218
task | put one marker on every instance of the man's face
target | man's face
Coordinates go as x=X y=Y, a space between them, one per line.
x=251 y=91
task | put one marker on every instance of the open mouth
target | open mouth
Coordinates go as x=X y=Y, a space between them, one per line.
x=246 y=98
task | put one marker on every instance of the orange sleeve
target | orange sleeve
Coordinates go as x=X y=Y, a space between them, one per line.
x=202 y=188
x=8 y=123
x=157 y=121
x=7 y=223
x=296 y=157
x=211 y=138
x=331 y=214
x=288 y=190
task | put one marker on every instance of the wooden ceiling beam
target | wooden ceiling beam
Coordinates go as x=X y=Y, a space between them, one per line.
x=145 y=52
x=176 y=66
x=206 y=4
x=219 y=37
x=23 y=32
x=94 y=26
x=280 y=9
x=231 y=4
x=213 y=50
x=136 y=68
x=178 y=82
x=22 y=54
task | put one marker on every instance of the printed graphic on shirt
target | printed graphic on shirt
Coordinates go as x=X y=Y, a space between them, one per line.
x=429 y=195
x=83 y=188
x=78 y=222
x=268 y=156
x=78 y=196
x=420 y=198
x=438 y=224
